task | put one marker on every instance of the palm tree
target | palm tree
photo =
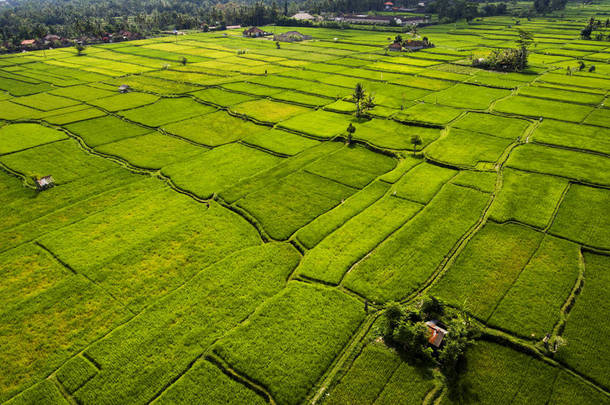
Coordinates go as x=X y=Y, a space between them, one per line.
x=350 y=130
x=359 y=95
x=415 y=140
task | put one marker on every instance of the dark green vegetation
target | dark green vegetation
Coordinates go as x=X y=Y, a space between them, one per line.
x=217 y=235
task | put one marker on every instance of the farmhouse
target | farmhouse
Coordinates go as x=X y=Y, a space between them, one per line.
x=124 y=88
x=291 y=36
x=255 y=32
x=28 y=42
x=437 y=334
x=388 y=5
x=395 y=47
x=44 y=183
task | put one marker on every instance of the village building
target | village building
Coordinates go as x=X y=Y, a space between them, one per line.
x=302 y=16
x=255 y=32
x=395 y=47
x=28 y=42
x=124 y=88
x=291 y=36
x=44 y=183
x=436 y=333
x=388 y=5
x=381 y=19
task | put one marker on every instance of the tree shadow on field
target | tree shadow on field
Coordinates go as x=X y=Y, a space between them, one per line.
x=459 y=387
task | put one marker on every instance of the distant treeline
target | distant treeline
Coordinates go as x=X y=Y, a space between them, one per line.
x=75 y=19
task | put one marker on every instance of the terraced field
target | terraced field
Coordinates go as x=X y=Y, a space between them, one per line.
x=213 y=238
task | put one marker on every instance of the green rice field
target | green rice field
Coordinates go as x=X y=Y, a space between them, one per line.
x=215 y=235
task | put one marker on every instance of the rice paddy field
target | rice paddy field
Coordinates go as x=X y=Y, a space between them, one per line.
x=212 y=237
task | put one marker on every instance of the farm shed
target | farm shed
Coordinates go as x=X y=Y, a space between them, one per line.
x=123 y=88
x=44 y=183
x=437 y=333
x=396 y=47
x=254 y=32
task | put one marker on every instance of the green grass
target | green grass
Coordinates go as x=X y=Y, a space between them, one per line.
x=466 y=149
x=100 y=131
x=289 y=342
x=531 y=307
x=482 y=181
x=63 y=160
x=406 y=259
x=354 y=166
x=408 y=383
x=292 y=202
x=422 y=182
x=479 y=97
x=220 y=97
x=159 y=344
x=312 y=233
x=487 y=268
x=44 y=392
x=572 y=135
x=600 y=117
x=205 y=382
x=536 y=107
x=574 y=165
x=35 y=286
x=82 y=92
x=278 y=141
x=166 y=110
x=278 y=172
x=23 y=136
x=561 y=95
x=75 y=373
x=394 y=135
x=490 y=124
x=530 y=198
x=214 y=129
x=45 y=101
x=497 y=374
x=589 y=226
x=367 y=376
x=151 y=151
x=321 y=124
x=124 y=101
x=429 y=113
x=335 y=254
x=268 y=111
x=591 y=308
x=218 y=169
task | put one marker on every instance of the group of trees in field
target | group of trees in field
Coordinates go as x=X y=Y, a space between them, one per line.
x=509 y=59
x=547 y=6
x=595 y=29
x=405 y=329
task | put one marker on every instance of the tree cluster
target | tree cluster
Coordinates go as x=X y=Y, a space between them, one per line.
x=547 y=6
x=364 y=102
x=406 y=330
x=595 y=25
x=509 y=59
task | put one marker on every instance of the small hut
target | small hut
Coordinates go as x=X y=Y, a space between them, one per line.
x=124 y=88
x=44 y=183
x=436 y=333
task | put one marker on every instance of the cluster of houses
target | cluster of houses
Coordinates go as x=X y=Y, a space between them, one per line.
x=289 y=36
x=55 y=41
x=382 y=19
